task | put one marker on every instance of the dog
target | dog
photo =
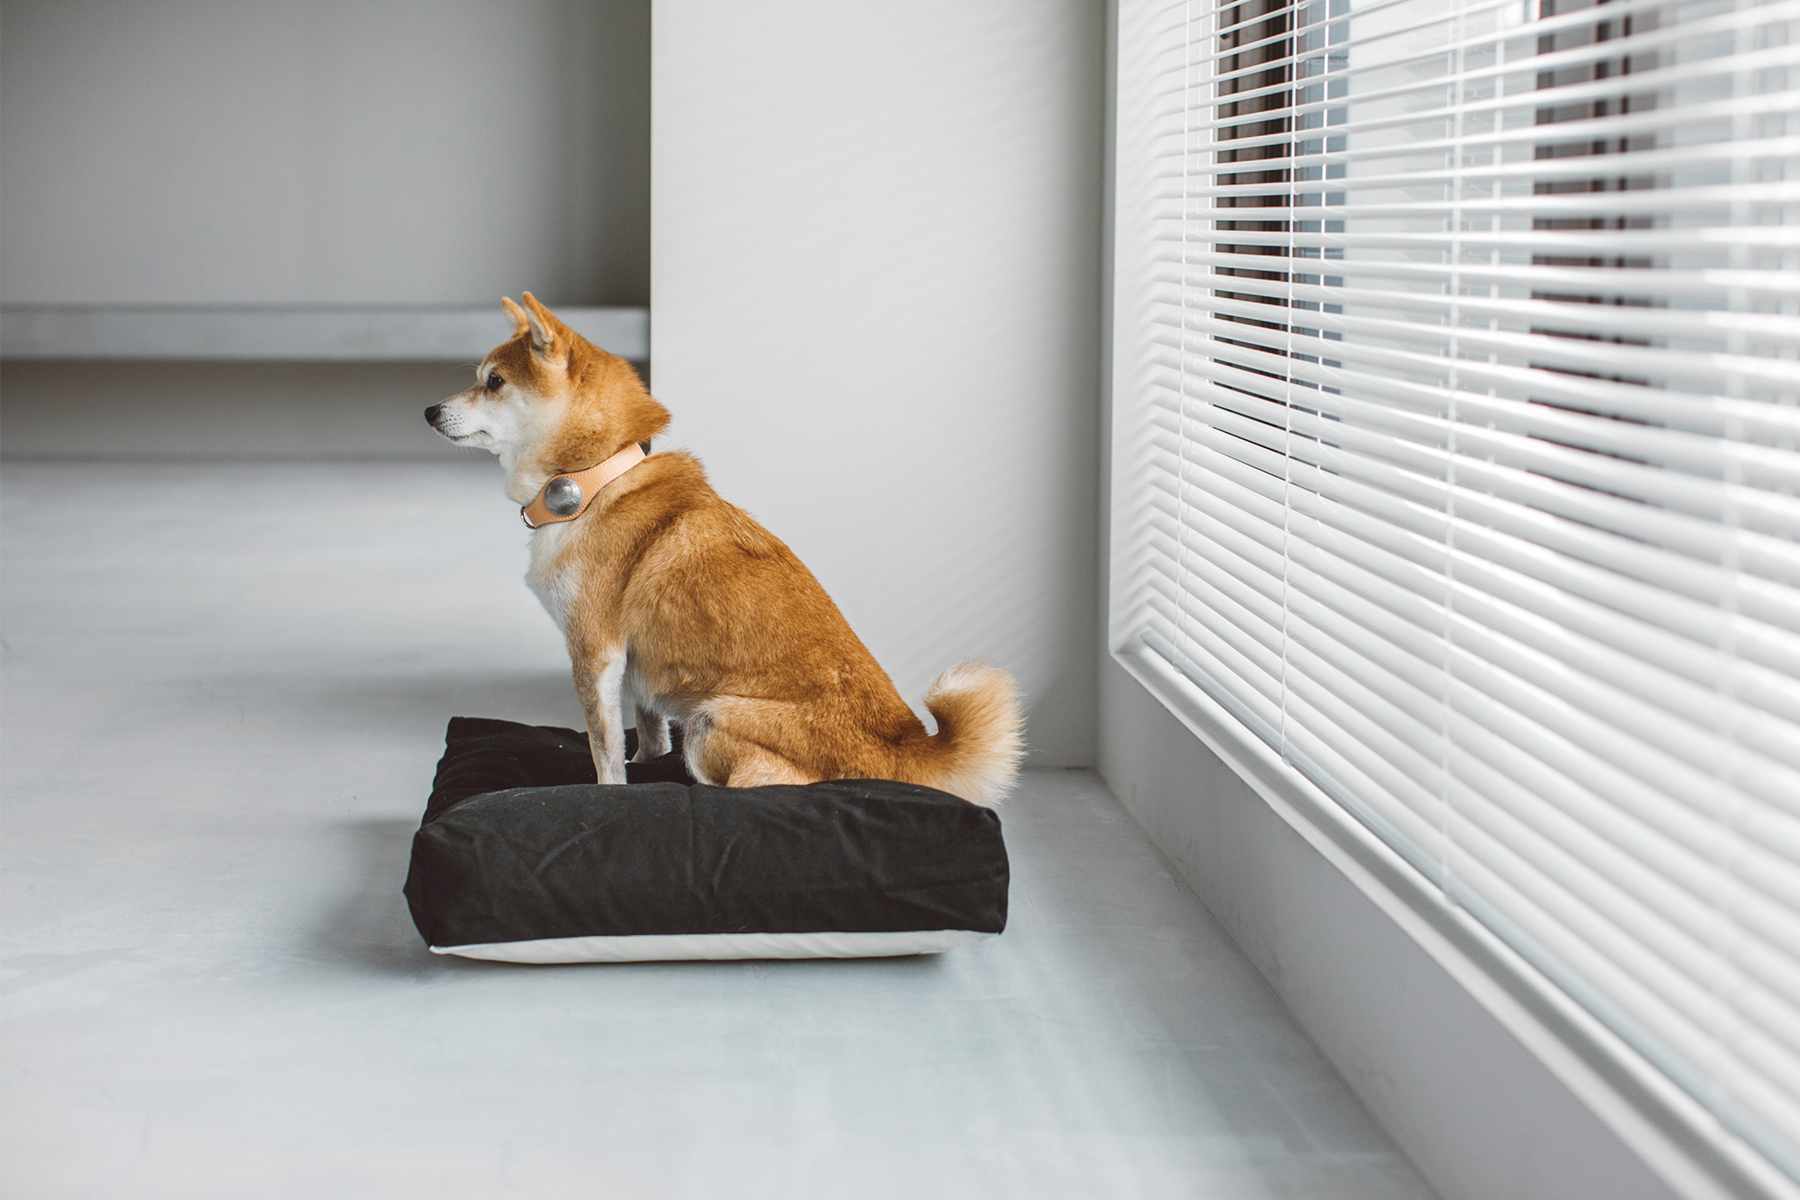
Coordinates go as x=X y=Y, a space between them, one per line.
x=682 y=604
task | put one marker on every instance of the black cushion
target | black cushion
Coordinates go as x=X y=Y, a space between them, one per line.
x=483 y=755
x=522 y=856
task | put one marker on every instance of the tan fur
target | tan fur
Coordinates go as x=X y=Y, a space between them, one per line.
x=680 y=602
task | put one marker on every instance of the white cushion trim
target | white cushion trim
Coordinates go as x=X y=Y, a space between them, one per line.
x=655 y=947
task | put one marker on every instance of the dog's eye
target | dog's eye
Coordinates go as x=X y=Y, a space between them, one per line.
x=494 y=382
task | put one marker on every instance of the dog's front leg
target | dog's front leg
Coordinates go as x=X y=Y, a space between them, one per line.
x=600 y=682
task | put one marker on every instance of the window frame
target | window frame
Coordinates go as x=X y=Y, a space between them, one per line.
x=1660 y=1123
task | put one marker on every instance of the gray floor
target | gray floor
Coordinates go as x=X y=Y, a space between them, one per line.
x=225 y=688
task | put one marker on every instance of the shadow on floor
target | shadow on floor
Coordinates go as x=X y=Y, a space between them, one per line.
x=371 y=927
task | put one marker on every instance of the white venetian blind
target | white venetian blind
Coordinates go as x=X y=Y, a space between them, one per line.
x=1458 y=456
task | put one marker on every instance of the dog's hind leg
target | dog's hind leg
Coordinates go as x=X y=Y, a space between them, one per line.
x=697 y=734
x=653 y=734
x=723 y=760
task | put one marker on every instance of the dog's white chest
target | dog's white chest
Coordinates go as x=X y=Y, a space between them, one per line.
x=552 y=575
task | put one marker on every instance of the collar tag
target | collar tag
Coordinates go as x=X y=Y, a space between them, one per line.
x=565 y=497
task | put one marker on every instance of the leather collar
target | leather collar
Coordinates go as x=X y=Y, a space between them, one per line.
x=565 y=497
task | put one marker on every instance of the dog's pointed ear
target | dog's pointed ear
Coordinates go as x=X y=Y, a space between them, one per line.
x=549 y=336
x=520 y=321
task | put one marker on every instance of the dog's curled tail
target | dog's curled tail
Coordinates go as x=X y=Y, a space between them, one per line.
x=981 y=733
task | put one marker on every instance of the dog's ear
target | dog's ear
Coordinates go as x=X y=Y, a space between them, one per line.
x=549 y=336
x=520 y=321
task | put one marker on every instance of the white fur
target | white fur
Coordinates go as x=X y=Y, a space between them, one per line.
x=494 y=421
x=500 y=422
x=608 y=742
x=555 y=584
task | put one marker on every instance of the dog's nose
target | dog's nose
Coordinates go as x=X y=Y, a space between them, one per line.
x=431 y=414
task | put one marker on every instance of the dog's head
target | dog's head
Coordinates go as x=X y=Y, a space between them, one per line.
x=549 y=400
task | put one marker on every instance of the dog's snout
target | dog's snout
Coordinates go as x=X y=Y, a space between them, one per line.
x=431 y=414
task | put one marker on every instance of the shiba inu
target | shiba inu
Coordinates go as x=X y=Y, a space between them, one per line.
x=681 y=604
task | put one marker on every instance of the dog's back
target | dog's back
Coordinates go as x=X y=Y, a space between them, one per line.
x=731 y=634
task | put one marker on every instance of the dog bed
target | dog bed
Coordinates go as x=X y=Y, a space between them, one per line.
x=522 y=857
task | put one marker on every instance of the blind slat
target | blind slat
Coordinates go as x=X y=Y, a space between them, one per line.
x=1458 y=453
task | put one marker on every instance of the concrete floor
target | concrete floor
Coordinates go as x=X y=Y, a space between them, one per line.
x=225 y=690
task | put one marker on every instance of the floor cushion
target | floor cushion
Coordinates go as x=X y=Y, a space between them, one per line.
x=522 y=857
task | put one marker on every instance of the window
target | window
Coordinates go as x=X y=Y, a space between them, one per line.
x=1456 y=457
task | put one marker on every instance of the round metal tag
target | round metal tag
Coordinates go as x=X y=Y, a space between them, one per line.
x=563 y=497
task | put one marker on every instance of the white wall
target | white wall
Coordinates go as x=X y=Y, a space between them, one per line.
x=335 y=151
x=875 y=245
